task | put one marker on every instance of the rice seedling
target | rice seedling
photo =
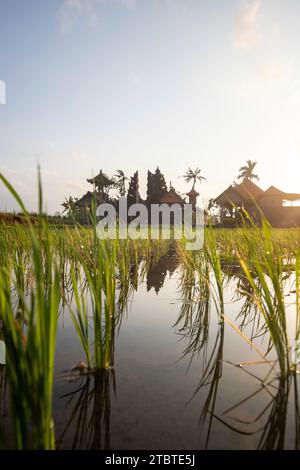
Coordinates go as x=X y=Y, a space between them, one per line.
x=268 y=295
x=31 y=351
x=100 y=289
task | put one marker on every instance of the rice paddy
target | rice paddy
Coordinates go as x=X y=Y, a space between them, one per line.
x=141 y=344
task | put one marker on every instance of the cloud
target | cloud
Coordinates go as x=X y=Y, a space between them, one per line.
x=74 y=11
x=246 y=33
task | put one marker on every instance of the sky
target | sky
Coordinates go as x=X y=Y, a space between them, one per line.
x=134 y=84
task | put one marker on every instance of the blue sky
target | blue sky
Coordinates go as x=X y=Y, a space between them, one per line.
x=133 y=84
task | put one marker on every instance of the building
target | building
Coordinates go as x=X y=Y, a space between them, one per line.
x=102 y=183
x=279 y=208
x=86 y=201
x=172 y=197
x=84 y=205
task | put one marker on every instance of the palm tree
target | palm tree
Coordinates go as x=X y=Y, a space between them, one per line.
x=69 y=205
x=194 y=176
x=247 y=171
x=121 y=181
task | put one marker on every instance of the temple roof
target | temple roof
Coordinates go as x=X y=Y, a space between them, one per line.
x=192 y=193
x=101 y=180
x=86 y=200
x=172 y=198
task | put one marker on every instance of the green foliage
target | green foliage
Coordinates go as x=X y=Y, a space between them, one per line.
x=133 y=195
x=30 y=334
x=247 y=171
x=156 y=187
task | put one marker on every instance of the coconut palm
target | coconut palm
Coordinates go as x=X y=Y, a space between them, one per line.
x=247 y=171
x=69 y=205
x=121 y=181
x=194 y=175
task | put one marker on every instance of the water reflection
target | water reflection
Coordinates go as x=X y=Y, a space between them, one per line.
x=243 y=294
x=88 y=407
x=159 y=269
x=201 y=325
x=89 y=418
x=194 y=325
x=270 y=423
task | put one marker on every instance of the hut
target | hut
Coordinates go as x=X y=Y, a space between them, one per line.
x=84 y=205
x=236 y=197
x=278 y=207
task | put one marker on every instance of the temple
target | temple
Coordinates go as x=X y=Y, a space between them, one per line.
x=172 y=197
x=101 y=183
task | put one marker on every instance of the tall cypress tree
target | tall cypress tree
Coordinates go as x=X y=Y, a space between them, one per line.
x=150 y=196
x=160 y=186
x=133 y=195
x=156 y=187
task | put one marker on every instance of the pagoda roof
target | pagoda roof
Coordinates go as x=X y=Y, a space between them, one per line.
x=101 y=180
x=192 y=193
x=171 y=197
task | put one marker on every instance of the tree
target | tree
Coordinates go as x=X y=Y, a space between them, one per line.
x=70 y=207
x=133 y=195
x=121 y=182
x=156 y=187
x=149 y=187
x=247 y=171
x=194 y=175
x=160 y=186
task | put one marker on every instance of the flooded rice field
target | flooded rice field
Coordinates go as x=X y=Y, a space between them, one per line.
x=152 y=347
x=180 y=379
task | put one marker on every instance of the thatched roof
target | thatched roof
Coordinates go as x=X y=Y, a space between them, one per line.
x=272 y=191
x=192 y=193
x=240 y=193
x=86 y=200
x=101 y=180
x=172 y=198
x=248 y=191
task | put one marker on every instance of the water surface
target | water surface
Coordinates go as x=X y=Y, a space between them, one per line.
x=154 y=396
